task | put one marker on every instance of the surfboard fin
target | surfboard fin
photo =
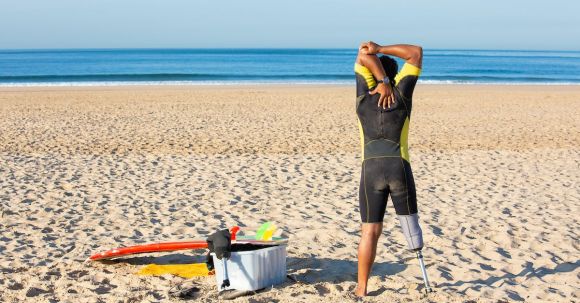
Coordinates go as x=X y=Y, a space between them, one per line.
x=266 y=231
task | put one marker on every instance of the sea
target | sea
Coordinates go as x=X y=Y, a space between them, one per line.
x=98 y=67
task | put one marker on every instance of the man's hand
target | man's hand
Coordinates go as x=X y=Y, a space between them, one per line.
x=369 y=48
x=387 y=97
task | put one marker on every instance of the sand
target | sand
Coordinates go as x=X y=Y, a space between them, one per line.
x=83 y=169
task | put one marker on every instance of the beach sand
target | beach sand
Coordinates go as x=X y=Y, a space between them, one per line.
x=84 y=169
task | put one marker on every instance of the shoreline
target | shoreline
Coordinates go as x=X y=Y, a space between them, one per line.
x=259 y=84
x=272 y=86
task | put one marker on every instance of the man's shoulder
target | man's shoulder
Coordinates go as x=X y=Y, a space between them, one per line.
x=408 y=70
x=365 y=74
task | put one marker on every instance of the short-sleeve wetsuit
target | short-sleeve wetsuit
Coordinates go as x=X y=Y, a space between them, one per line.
x=385 y=151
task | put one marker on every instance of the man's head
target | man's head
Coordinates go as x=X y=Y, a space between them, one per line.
x=390 y=66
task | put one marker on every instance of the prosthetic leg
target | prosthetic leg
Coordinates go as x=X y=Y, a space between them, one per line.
x=414 y=236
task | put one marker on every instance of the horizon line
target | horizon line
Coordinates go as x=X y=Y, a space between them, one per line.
x=266 y=48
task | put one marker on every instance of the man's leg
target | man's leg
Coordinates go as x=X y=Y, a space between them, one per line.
x=373 y=193
x=367 y=250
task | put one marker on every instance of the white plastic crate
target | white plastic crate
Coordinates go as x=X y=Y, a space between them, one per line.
x=253 y=270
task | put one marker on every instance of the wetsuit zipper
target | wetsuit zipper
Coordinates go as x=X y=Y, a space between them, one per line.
x=381 y=123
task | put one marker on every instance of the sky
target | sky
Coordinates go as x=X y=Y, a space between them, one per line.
x=435 y=24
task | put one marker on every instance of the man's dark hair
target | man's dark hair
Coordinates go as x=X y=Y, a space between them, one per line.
x=390 y=66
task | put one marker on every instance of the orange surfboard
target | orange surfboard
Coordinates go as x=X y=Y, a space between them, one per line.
x=148 y=248
x=179 y=245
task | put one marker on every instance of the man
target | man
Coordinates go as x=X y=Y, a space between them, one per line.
x=384 y=102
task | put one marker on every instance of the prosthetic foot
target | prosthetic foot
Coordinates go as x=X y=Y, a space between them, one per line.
x=414 y=236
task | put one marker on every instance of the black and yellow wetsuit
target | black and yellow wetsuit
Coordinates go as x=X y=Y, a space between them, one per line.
x=385 y=151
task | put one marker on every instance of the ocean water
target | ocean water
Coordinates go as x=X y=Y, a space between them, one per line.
x=272 y=66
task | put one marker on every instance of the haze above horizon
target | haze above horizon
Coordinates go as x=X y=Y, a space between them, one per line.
x=180 y=24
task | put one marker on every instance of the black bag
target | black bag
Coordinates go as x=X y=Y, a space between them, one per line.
x=219 y=243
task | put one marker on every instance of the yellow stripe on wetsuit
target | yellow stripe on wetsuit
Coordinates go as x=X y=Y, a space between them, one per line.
x=407 y=70
x=366 y=74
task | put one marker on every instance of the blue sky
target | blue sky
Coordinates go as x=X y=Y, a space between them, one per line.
x=506 y=24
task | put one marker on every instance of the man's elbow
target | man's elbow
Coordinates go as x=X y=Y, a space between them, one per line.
x=363 y=58
x=416 y=53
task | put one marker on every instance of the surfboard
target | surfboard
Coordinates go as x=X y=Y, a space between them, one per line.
x=148 y=248
x=264 y=232
x=176 y=246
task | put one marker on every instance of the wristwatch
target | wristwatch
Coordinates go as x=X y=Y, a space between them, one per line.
x=385 y=80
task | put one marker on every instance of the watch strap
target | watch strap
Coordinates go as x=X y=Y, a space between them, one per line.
x=384 y=80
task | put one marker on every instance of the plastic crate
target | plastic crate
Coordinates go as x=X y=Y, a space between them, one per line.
x=254 y=269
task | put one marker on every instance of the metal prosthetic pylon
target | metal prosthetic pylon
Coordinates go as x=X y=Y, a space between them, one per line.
x=428 y=288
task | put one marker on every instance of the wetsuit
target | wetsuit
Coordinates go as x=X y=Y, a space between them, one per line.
x=385 y=151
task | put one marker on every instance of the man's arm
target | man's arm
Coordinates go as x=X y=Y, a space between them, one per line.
x=412 y=54
x=373 y=63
